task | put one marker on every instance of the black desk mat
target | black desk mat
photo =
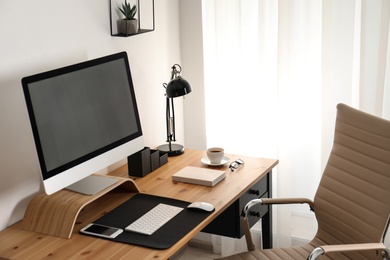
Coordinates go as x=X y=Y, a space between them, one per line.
x=164 y=237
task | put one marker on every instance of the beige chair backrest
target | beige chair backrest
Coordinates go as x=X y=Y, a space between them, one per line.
x=352 y=203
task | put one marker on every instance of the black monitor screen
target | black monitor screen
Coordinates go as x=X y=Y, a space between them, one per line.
x=80 y=111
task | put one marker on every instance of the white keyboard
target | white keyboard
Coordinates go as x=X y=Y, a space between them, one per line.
x=154 y=219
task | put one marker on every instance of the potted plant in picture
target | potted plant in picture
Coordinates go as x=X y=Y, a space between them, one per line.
x=128 y=25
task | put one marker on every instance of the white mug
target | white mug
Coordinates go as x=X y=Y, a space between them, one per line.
x=215 y=154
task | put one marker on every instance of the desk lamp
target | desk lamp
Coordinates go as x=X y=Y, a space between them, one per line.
x=176 y=87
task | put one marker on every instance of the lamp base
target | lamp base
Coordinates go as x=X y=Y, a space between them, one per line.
x=176 y=149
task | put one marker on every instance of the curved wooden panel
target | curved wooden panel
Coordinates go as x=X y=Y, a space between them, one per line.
x=56 y=214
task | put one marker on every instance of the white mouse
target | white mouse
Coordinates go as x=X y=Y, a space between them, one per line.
x=201 y=206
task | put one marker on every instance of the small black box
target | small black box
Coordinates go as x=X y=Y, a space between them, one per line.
x=139 y=163
x=154 y=159
x=163 y=158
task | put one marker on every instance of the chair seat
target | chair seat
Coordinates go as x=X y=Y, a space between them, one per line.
x=297 y=253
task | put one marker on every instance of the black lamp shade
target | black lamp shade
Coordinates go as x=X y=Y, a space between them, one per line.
x=178 y=87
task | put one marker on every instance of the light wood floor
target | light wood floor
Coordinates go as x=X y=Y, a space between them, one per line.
x=191 y=253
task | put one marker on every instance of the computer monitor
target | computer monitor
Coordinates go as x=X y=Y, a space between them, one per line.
x=84 y=117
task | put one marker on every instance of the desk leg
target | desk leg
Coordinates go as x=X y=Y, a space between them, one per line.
x=266 y=220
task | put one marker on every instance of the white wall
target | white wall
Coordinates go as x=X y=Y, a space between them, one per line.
x=191 y=39
x=45 y=34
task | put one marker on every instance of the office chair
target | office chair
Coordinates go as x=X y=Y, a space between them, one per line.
x=352 y=202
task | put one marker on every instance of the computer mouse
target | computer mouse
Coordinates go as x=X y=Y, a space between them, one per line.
x=199 y=205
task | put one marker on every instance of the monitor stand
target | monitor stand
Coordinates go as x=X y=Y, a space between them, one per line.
x=92 y=184
x=56 y=214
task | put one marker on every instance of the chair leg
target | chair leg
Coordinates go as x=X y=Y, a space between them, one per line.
x=316 y=253
x=261 y=235
x=248 y=236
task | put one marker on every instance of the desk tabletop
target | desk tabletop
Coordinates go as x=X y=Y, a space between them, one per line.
x=16 y=243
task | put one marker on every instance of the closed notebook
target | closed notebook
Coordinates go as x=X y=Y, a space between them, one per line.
x=201 y=176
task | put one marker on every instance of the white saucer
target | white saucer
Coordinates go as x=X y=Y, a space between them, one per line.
x=206 y=160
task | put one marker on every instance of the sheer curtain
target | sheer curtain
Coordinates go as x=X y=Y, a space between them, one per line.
x=274 y=72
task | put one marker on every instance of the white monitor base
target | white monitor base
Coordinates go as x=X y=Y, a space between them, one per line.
x=92 y=184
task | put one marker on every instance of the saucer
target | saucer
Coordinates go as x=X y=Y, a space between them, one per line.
x=206 y=160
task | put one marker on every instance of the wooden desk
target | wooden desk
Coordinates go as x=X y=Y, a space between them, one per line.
x=16 y=243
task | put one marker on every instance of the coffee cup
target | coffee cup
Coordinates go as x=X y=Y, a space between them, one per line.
x=215 y=154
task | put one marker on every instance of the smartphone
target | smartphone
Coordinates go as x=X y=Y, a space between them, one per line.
x=101 y=231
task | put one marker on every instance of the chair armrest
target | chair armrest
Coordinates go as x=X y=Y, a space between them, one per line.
x=286 y=200
x=269 y=201
x=323 y=250
x=289 y=201
x=251 y=203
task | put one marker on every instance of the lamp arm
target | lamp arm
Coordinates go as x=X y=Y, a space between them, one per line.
x=167 y=117
x=170 y=121
x=167 y=120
